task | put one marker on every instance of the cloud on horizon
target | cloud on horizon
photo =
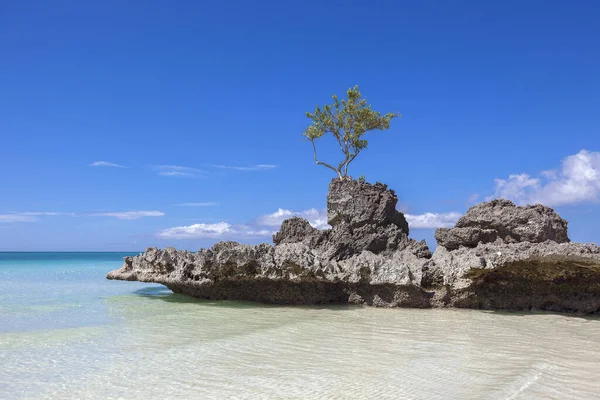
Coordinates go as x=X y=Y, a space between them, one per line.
x=258 y=167
x=263 y=226
x=29 y=216
x=267 y=225
x=179 y=171
x=32 y=216
x=432 y=220
x=205 y=204
x=36 y=213
x=128 y=214
x=17 y=218
x=105 y=164
x=577 y=181
x=317 y=218
x=217 y=230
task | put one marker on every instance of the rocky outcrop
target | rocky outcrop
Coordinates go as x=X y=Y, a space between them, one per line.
x=455 y=266
x=294 y=230
x=283 y=274
x=502 y=220
x=365 y=258
x=503 y=256
x=357 y=204
x=498 y=256
x=363 y=217
x=567 y=283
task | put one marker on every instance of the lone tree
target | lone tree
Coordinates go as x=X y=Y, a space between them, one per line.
x=347 y=121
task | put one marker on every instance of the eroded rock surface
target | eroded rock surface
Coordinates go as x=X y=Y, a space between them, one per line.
x=502 y=219
x=365 y=258
x=502 y=256
x=498 y=256
x=358 y=203
x=456 y=264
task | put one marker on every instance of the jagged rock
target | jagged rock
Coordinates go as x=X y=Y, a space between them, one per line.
x=501 y=256
x=342 y=241
x=454 y=238
x=498 y=256
x=290 y=273
x=502 y=219
x=365 y=258
x=521 y=276
x=552 y=283
x=294 y=230
x=363 y=218
x=456 y=264
x=359 y=203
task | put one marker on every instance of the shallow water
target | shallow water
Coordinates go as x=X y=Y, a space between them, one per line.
x=67 y=333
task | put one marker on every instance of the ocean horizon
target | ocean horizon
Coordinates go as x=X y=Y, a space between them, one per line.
x=67 y=332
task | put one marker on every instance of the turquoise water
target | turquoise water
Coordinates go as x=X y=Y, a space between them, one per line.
x=41 y=291
x=68 y=333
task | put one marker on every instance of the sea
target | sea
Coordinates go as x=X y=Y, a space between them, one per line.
x=66 y=332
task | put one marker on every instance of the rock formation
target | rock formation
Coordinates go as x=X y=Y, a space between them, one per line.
x=498 y=256
x=501 y=219
x=366 y=258
x=502 y=256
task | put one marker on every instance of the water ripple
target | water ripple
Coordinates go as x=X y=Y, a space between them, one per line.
x=166 y=346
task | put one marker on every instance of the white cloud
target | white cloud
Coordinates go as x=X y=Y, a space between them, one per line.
x=38 y=213
x=32 y=216
x=17 y=218
x=516 y=187
x=206 y=204
x=129 y=214
x=261 y=227
x=176 y=168
x=549 y=173
x=105 y=164
x=190 y=172
x=178 y=171
x=219 y=230
x=317 y=218
x=577 y=181
x=29 y=216
x=197 y=231
x=266 y=225
x=258 y=167
x=432 y=220
x=262 y=232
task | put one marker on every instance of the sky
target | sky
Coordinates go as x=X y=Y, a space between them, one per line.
x=129 y=124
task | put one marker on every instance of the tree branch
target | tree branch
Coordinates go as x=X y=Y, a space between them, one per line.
x=341 y=165
x=349 y=161
x=323 y=163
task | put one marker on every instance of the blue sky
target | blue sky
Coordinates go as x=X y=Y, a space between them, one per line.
x=199 y=107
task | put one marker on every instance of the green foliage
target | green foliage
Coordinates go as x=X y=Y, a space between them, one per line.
x=347 y=120
x=362 y=179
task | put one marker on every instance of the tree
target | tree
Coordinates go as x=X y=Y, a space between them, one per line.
x=347 y=121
